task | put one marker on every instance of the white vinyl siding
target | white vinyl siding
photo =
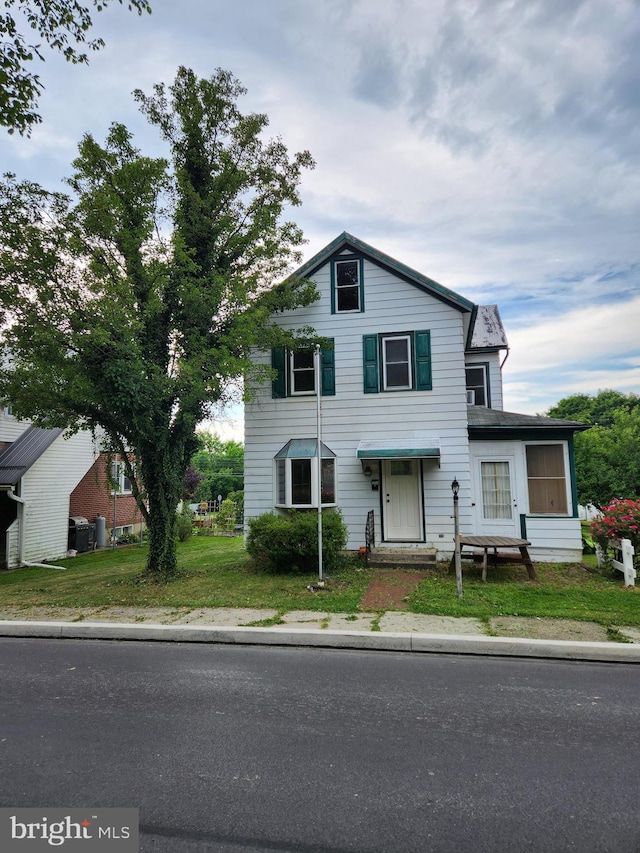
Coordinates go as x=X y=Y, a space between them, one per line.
x=46 y=487
x=433 y=418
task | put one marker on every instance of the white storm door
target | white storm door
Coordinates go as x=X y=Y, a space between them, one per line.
x=497 y=510
x=402 y=504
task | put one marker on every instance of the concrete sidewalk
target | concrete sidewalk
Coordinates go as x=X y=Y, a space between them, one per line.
x=393 y=630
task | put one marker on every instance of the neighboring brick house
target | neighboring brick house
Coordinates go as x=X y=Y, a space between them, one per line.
x=94 y=496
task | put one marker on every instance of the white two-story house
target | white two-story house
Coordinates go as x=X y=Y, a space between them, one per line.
x=410 y=400
x=39 y=468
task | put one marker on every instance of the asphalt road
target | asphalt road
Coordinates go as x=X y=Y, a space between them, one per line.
x=264 y=749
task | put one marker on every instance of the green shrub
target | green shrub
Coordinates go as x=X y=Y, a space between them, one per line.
x=225 y=518
x=184 y=523
x=289 y=543
x=128 y=539
x=619 y=520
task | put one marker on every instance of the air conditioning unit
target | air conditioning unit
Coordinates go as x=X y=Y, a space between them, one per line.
x=471 y=397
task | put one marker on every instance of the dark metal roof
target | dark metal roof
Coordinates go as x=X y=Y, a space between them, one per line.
x=348 y=241
x=16 y=459
x=481 y=418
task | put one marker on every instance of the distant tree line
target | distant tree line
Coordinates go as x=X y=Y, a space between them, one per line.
x=608 y=454
x=216 y=470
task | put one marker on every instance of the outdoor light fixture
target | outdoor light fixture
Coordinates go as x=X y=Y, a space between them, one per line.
x=367 y=471
x=455 y=487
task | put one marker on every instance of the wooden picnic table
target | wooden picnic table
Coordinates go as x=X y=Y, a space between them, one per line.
x=498 y=542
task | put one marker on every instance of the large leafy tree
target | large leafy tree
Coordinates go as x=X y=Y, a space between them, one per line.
x=130 y=306
x=63 y=25
x=608 y=454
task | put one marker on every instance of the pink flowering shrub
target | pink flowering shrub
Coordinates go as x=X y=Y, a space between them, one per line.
x=619 y=520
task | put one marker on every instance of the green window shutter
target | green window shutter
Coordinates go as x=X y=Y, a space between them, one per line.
x=279 y=364
x=328 y=366
x=422 y=359
x=370 y=364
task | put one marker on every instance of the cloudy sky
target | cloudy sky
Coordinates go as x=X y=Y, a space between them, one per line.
x=493 y=145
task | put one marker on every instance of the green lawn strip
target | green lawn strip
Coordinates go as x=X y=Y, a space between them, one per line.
x=561 y=592
x=214 y=572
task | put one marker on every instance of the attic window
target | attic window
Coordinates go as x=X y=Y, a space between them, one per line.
x=347 y=286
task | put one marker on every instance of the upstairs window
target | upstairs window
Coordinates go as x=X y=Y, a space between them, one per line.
x=397 y=362
x=546 y=479
x=120 y=482
x=302 y=372
x=347 y=291
x=295 y=374
x=477 y=383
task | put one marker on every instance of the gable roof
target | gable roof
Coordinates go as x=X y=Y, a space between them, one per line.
x=16 y=459
x=348 y=241
x=483 y=421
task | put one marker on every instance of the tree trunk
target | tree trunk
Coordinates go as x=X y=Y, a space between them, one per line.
x=163 y=482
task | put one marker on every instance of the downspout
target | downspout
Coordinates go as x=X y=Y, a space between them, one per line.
x=504 y=360
x=23 y=564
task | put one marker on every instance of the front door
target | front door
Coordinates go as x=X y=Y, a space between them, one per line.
x=402 y=510
x=497 y=511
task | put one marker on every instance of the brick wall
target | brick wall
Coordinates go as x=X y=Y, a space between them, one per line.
x=93 y=496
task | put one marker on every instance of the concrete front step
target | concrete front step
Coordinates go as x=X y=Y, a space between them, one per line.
x=413 y=558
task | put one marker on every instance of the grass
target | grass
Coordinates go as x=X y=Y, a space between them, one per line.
x=215 y=572
x=561 y=592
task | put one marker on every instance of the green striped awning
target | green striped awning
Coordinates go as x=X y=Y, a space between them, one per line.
x=397 y=449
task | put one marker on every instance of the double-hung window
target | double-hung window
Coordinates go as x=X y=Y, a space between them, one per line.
x=296 y=474
x=347 y=285
x=295 y=373
x=477 y=383
x=398 y=361
x=120 y=482
x=302 y=372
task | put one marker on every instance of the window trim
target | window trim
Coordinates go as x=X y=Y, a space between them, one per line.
x=293 y=370
x=386 y=362
x=282 y=383
x=334 y=284
x=566 y=464
x=120 y=478
x=374 y=379
x=484 y=366
x=283 y=476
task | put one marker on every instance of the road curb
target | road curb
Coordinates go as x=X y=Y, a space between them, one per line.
x=375 y=641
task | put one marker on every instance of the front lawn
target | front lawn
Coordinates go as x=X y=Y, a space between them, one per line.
x=215 y=572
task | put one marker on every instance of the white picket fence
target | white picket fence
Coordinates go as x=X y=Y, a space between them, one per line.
x=625 y=565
